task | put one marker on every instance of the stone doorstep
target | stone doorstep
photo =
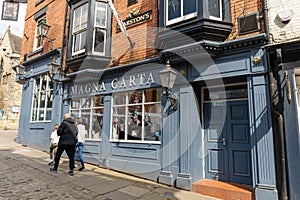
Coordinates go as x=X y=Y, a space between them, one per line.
x=223 y=190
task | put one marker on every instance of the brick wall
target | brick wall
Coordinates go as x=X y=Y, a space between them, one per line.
x=54 y=17
x=240 y=8
x=280 y=32
x=143 y=35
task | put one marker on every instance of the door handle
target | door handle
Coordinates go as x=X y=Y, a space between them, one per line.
x=224 y=141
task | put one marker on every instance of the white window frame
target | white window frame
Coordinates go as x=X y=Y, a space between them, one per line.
x=220 y=11
x=80 y=29
x=182 y=17
x=102 y=28
x=36 y=40
x=48 y=91
x=127 y=105
x=90 y=110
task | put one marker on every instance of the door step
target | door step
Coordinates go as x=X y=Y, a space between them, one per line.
x=223 y=190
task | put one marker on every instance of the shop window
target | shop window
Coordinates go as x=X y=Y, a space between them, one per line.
x=136 y=116
x=80 y=17
x=90 y=110
x=42 y=99
x=179 y=10
x=100 y=27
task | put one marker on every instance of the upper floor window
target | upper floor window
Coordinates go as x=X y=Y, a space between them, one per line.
x=100 y=27
x=38 y=40
x=179 y=10
x=80 y=17
x=215 y=9
x=42 y=99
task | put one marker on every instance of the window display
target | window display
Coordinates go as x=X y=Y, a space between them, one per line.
x=136 y=115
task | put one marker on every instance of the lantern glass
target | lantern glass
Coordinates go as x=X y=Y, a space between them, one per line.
x=42 y=28
x=20 y=70
x=167 y=76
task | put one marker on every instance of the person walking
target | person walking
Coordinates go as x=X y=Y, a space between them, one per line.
x=67 y=141
x=80 y=143
x=54 y=138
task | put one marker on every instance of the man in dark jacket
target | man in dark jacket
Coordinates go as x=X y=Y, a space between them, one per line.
x=67 y=141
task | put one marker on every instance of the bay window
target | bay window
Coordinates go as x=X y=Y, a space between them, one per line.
x=215 y=9
x=42 y=99
x=136 y=116
x=179 y=10
x=80 y=17
x=100 y=27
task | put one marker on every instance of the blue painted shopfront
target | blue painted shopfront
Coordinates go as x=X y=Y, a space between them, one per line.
x=179 y=156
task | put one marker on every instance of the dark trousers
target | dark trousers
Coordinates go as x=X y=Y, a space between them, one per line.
x=70 y=150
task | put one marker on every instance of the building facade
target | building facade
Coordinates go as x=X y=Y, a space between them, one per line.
x=214 y=123
x=10 y=91
x=283 y=51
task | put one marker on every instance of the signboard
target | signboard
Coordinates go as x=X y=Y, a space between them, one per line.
x=10 y=11
x=137 y=19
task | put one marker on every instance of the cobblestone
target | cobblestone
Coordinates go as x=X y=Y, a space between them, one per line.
x=25 y=175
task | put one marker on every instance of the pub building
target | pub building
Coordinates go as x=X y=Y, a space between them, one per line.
x=212 y=122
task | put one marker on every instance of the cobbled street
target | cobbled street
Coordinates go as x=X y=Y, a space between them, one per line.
x=25 y=175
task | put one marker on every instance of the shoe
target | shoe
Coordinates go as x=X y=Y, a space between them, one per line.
x=81 y=168
x=51 y=162
x=53 y=170
x=71 y=172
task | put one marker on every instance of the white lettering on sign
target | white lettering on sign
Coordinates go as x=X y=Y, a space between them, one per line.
x=132 y=81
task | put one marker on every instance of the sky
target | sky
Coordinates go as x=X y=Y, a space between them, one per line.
x=16 y=27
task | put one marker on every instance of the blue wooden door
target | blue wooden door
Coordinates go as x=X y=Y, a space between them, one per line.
x=227 y=141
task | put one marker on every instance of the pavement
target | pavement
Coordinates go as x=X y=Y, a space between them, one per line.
x=25 y=174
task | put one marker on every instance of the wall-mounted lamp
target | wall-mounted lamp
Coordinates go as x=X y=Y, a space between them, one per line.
x=20 y=72
x=43 y=28
x=167 y=77
x=54 y=69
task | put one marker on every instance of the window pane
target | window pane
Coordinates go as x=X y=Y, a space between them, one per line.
x=97 y=123
x=75 y=103
x=85 y=115
x=83 y=40
x=119 y=98
x=98 y=101
x=84 y=16
x=85 y=102
x=118 y=127
x=174 y=9
x=100 y=14
x=76 y=42
x=153 y=95
x=99 y=40
x=214 y=8
x=77 y=13
x=189 y=7
x=135 y=97
x=74 y=114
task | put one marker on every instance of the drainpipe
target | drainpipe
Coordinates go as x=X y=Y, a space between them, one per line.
x=277 y=117
x=278 y=127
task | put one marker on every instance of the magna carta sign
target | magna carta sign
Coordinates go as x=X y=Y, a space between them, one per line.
x=135 y=19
